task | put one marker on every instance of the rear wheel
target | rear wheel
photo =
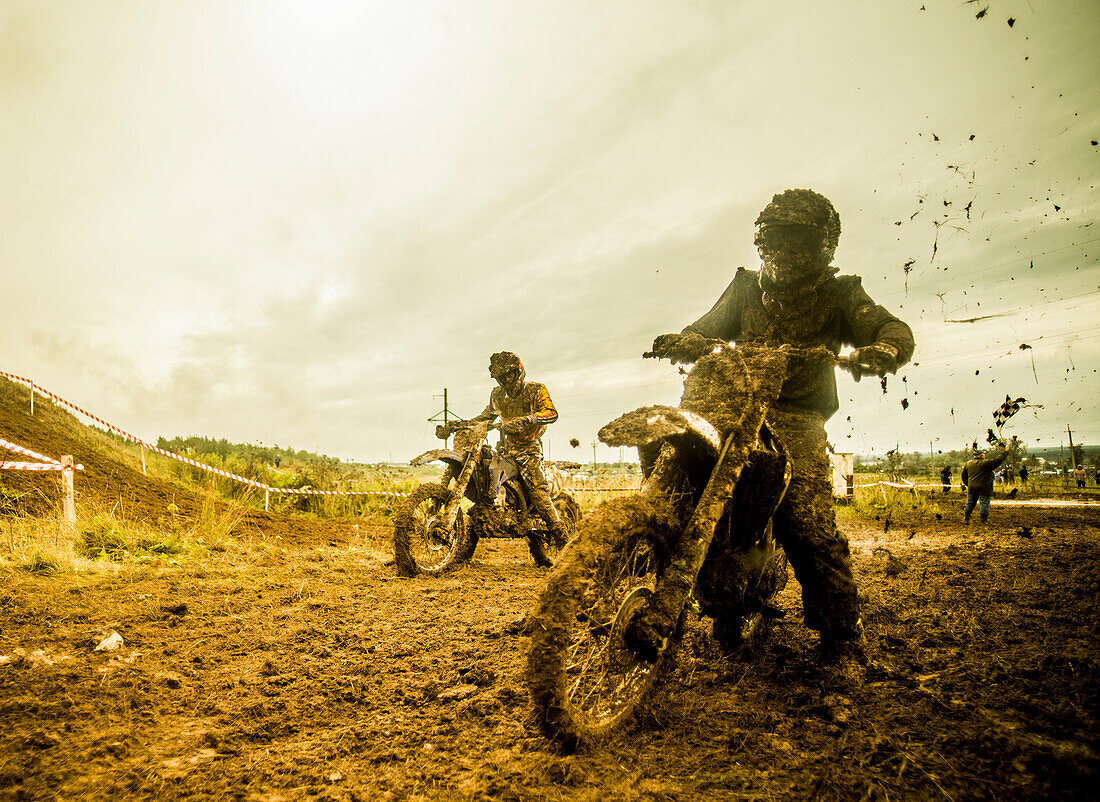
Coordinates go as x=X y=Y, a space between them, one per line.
x=422 y=544
x=545 y=545
x=583 y=678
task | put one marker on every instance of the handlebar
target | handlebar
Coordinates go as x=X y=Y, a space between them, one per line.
x=691 y=347
x=444 y=431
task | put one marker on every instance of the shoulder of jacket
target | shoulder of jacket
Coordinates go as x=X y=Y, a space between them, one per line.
x=745 y=282
x=743 y=275
x=847 y=283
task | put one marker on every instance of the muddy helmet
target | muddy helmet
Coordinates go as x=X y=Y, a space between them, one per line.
x=803 y=211
x=504 y=362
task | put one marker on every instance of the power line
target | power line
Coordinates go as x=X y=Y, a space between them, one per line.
x=1042 y=342
x=1029 y=307
x=988 y=268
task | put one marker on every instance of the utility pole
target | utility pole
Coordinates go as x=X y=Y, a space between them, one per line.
x=1062 y=463
x=446 y=413
x=593 y=457
x=1072 y=455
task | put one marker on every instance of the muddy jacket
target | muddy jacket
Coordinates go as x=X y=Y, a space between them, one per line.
x=533 y=403
x=839 y=313
x=977 y=474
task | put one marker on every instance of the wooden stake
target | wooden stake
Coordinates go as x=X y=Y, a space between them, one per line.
x=143 y=461
x=267 y=498
x=32 y=398
x=68 y=501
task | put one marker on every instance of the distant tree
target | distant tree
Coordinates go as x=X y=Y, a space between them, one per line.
x=1078 y=455
x=1017 y=453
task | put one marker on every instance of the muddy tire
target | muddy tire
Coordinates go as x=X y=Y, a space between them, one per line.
x=420 y=544
x=545 y=549
x=465 y=552
x=583 y=679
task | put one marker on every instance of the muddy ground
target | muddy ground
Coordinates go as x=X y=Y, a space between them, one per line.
x=313 y=671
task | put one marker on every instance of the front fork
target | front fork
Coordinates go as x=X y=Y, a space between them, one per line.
x=649 y=632
x=459 y=489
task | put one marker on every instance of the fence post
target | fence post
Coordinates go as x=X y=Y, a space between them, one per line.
x=143 y=461
x=267 y=498
x=68 y=502
x=32 y=399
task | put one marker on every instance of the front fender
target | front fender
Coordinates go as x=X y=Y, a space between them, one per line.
x=649 y=426
x=443 y=454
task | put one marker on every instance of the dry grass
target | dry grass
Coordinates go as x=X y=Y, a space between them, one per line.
x=105 y=540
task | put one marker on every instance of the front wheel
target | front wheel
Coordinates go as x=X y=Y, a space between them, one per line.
x=583 y=677
x=422 y=544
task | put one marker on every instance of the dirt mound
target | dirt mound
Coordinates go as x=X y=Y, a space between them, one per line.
x=112 y=480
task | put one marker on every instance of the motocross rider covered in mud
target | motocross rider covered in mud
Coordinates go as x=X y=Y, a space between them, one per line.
x=525 y=410
x=796 y=298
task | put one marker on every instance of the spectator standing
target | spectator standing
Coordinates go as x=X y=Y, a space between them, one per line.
x=1079 y=474
x=945 y=478
x=1023 y=474
x=977 y=475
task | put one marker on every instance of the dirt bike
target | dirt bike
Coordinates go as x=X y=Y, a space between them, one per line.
x=432 y=531
x=698 y=538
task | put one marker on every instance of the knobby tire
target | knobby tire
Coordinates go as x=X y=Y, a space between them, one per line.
x=584 y=682
x=415 y=550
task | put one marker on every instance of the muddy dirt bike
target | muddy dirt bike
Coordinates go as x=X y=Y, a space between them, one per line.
x=432 y=531
x=698 y=538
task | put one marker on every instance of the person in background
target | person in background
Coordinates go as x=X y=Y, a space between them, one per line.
x=1079 y=475
x=977 y=476
x=1023 y=474
x=945 y=477
x=525 y=410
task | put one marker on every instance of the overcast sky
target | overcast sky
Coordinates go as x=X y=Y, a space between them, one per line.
x=297 y=222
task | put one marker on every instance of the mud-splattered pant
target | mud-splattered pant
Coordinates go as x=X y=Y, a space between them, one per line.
x=979 y=500
x=529 y=459
x=805 y=525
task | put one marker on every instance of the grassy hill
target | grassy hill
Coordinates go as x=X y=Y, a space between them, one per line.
x=112 y=485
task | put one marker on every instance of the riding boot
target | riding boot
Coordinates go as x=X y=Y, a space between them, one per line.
x=540 y=500
x=843 y=658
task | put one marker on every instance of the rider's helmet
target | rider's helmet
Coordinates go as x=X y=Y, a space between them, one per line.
x=797 y=234
x=507 y=369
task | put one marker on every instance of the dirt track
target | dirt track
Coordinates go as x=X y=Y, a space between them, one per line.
x=315 y=672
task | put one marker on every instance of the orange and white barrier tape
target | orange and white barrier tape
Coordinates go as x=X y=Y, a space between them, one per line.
x=38 y=466
x=47 y=463
x=604 y=489
x=193 y=463
x=904 y=485
x=26 y=452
